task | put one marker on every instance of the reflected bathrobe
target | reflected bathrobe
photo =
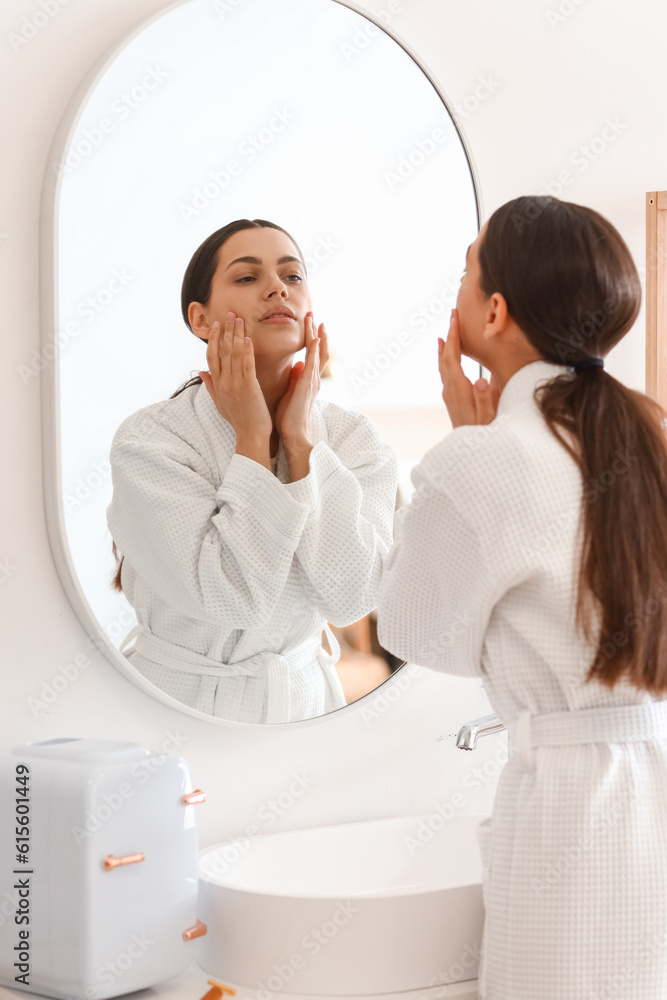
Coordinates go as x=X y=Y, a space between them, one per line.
x=481 y=581
x=232 y=570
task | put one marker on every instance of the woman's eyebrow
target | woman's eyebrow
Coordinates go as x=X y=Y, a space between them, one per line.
x=257 y=260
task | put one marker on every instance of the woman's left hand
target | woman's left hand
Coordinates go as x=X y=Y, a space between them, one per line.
x=293 y=412
x=466 y=403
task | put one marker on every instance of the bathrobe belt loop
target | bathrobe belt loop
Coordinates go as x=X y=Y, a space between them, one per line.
x=266 y=663
x=617 y=724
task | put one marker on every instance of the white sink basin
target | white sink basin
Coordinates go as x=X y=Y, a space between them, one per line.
x=353 y=910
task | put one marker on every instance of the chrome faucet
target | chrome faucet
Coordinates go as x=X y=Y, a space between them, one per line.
x=469 y=733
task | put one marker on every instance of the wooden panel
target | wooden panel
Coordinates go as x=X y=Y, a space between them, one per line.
x=656 y=295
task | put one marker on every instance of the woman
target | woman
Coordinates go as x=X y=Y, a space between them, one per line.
x=249 y=512
x=534 y=554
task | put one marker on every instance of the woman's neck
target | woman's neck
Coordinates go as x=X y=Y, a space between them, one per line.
x=273 y=379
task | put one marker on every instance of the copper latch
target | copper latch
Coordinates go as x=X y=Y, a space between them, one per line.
x=111 y=861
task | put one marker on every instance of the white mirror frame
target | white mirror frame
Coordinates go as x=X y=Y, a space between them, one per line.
x=50 y=375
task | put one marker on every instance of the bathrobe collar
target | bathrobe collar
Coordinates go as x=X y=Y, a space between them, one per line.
x=521 y=386
x=223 y=437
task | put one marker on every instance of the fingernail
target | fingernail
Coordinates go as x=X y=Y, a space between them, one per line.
x=230 y=315
x=481 y=385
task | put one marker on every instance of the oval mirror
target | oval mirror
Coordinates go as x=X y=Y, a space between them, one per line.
x=301 y=112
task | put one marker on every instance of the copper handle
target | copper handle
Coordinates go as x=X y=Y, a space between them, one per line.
x=111 y=861
x=197 y=930
x=193 y=797
x=217 y=990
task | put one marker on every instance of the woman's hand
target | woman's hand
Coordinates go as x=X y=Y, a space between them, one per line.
x=294 y=409
x=324 y=343
x=232 y=385
x=466 y=403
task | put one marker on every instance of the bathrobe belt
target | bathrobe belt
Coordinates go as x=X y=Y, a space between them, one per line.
x=274 y=666
x=617 y=724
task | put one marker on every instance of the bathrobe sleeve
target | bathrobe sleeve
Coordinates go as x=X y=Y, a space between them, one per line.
x=439 y=586
x=217 y=555
x=350 y=494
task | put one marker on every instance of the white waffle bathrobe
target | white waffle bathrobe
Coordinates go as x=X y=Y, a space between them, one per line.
x=481 y=581
x=232 y=570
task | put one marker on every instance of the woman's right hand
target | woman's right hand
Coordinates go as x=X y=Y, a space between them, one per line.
x=232 y=385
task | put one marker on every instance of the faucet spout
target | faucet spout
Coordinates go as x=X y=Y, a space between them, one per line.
x=471 y=731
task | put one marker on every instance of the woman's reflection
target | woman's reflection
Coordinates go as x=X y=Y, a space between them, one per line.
x=249 y=512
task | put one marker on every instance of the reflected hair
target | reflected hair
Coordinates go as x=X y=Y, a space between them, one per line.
x=571 y=286
x=196 y=287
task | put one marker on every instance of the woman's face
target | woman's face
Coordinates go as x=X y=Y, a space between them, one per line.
x=472 y=304
x=271 y=279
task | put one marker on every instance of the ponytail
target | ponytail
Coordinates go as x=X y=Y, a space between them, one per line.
x=582 y=297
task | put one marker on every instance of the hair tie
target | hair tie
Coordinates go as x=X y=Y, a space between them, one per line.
x=581 y=366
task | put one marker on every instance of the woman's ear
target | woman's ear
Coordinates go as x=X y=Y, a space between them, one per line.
x=198 y=320
x=496 y=316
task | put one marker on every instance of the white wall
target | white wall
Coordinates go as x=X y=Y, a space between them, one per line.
x=550 y=88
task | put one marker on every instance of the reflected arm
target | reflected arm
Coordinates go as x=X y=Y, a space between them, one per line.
x=220 y=556
x=350 y=493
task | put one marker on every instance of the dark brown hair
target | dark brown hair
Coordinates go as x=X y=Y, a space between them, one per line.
x=196 y=287
x=571 y=286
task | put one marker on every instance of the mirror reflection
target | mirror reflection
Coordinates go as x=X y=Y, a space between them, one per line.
x=272 y=111
x=249 y=513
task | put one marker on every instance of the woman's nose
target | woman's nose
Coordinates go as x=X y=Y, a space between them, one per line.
x=279 y=286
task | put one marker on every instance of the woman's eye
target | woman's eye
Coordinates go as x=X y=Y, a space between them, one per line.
x=250 y=277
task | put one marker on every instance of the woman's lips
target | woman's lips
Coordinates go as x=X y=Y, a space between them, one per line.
x=279 y=319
